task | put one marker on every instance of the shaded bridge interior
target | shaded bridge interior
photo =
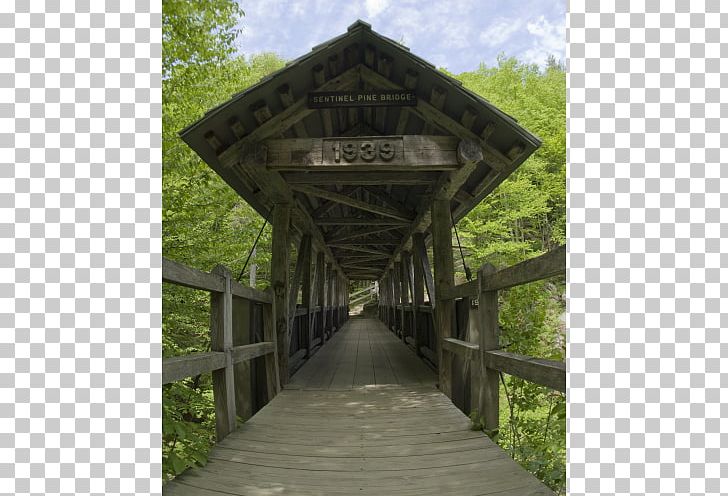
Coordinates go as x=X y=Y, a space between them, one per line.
x=363 y=416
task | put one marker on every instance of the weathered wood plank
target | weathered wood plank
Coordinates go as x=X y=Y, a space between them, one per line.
x=411 y=152
x=420 y=251
x=283 y=120
x=177 y=273
x=549 y=373
x=549 y=264
x=280 y=284
x=444 y=280
x=464 y=349
x=552 y=263
x=353 y=221
x=221 y=340
x=488 y=334
x=352 y=202
x=249 y=351
x=179 y=367
x=413 y=178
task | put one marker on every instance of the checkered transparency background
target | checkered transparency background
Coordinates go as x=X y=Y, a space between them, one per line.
x=80 y=275
x=646 y=354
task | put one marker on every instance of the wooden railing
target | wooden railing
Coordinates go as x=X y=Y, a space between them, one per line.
x=479 y=363
x=224 y=332
x=231 y=324
x=485 y=358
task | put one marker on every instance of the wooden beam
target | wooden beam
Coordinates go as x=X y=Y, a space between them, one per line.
x=401 y=178
x=279 y=283
x=388 y=153
x=552 y=263
x=410 y=83
x=329 y=205
x=444 y=279
x=320 y=288
x=285 y=94
x=429 y=113
x=306 y=294
x=177 y=273
x=383 y=197
x=360 y=233
x=437 y=100
x=283 y=120
x=549 y=373
x=361 y=249
x=488 y=335
x=352 y=202
x=221 y=340
x=353 y=221
x=272 y=376
x=304 y=251
x=249 y=351
x=409 y=272
x=327 y=120
x=463 y=349
x=179 y=367
x=418 y=246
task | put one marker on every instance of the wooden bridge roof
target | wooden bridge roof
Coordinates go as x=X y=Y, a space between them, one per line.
x=267 y=144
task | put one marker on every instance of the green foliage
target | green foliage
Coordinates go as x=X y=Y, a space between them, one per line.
x=204 y=222
x=524 y=217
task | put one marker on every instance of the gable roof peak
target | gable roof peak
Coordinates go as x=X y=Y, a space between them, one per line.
x=359 y=24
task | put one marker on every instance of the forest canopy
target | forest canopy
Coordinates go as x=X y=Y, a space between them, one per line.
x=206 y=223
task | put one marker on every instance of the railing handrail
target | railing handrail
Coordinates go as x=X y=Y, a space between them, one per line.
x=182 y=275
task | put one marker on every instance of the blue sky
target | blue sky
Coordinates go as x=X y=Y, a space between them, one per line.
x=457 y=35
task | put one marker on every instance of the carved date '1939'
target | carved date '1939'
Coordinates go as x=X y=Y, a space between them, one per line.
x=366 y=150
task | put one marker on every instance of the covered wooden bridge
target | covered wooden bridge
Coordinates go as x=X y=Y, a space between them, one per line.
x=363 y=156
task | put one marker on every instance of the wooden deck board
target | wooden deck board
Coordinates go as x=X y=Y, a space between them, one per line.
x=361 y=417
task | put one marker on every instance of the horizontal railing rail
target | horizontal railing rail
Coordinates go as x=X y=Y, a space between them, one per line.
x=224 y=356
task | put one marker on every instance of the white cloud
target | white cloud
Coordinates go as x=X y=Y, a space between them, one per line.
x=500 y=31
x=549 y=39
x=375 y=7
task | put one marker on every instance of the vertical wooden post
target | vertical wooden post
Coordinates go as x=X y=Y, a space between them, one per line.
x=279 y=283
x=334 y=302
x=414 y=304
x=242 y=318
x=221 y=339
x=404 y=283
x=306 y=296
x=329 y=298
x=320 y=293
x=272 y=375
x=488 y=340
x=395 y=298
x=444 y=280
x=418 y=245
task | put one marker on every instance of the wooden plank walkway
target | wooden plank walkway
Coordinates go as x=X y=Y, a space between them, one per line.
x=361 y=417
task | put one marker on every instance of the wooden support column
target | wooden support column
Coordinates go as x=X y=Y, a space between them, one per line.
x=396 y=291
x=418 y=296
x=272 y=374
x=304 y=251
x=306 y=292
x=423 y=264
x=221 y=339
x=329 y=298
x=334 y=302
x=403 y=283
x=279 y=283
x=320 y=293
x=242 y=318
x=414 y=306
x=488 y=406
x=444 y=280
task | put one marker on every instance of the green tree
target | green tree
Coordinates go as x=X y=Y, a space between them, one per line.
x=204 y=221
x=524 y=217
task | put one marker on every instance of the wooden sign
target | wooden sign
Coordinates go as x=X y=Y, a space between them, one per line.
x=365 y=98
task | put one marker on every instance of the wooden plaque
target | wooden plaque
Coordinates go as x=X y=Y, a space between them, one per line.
x=365 y=98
